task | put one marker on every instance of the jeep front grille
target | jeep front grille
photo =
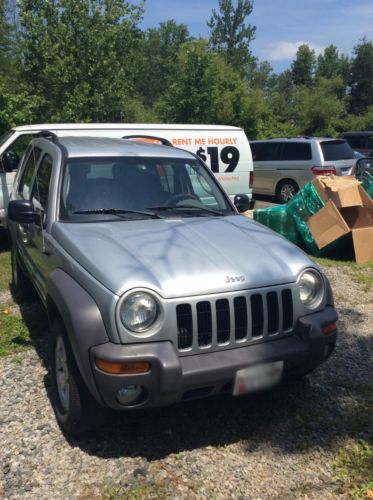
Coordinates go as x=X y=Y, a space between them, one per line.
x=234 y=321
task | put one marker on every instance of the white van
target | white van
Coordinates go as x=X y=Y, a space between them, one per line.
x=225 y=149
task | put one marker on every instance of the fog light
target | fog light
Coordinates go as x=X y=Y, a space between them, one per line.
x=129 y=394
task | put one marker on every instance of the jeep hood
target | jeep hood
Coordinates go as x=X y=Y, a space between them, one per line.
x=182 y=257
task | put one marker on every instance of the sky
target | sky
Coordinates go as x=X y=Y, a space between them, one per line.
x=281 y=25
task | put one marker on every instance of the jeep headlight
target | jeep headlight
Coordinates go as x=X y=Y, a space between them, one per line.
x=311 y=288
x=139 y=311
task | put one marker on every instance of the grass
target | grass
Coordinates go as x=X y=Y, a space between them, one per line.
x=18 y=332
x=137 y=491
x=5 y=272
x=354 y=468
x=361 y=273
x=354 y=459
x=323 y=261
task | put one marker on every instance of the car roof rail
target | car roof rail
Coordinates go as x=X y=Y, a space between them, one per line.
x=148 y=138
x=48 y=134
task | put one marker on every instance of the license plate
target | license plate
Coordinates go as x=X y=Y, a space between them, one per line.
x=258 y=377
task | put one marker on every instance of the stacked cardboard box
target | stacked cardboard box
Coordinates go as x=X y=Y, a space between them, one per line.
x=348 y=209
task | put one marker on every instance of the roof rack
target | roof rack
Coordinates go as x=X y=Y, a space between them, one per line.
x=48 y=134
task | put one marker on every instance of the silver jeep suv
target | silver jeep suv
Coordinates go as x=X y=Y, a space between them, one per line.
x=156 y=289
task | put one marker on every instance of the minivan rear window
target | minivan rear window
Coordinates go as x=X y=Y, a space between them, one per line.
x=336 y=150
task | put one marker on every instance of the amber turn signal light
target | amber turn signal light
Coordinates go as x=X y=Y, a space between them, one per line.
x=331 y=327
x=121 y=368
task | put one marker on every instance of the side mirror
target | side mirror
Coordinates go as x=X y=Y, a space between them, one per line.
x=9 y=161
x=364 y=165
x=22 y=211
x=242 y=202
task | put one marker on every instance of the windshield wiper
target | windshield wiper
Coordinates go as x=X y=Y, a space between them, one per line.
x=117 y=211
x=174 y=207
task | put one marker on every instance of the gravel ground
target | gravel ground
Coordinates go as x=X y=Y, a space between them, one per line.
x=274 y=445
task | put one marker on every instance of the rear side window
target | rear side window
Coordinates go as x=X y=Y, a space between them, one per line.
x=265 y=151
x=336 y=150
x=296 y=151
x=28 y=173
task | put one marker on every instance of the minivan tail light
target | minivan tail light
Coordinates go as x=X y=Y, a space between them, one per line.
x=329 y=170
x=251 y=179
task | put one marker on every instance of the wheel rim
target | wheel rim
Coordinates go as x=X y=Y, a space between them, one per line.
x=287 y=192
x=14 y=269
x=62 y=374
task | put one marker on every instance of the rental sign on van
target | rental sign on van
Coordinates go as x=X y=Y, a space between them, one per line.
x=219 y=152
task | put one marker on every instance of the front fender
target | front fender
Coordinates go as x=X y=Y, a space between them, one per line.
x=82 y=319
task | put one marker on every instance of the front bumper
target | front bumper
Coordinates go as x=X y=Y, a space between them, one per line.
x=173 y=378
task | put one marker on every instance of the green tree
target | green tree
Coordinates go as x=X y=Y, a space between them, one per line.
x=5 y=39
x=16 y=105
x=262 y=77
x=78 y=57
x=230 y=34
x=156 y=59
x=362 y=77
x=363 y=121
x=331 y=64
x=205 y=90
x=317 y=110
x=303 y=66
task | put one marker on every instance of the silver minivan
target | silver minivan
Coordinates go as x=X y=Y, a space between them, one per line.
x=284 y=165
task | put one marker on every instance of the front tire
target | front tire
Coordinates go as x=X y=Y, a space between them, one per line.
x=285 y=190
x=75 y=408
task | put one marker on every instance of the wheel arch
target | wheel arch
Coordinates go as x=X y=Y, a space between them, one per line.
x=71 y=304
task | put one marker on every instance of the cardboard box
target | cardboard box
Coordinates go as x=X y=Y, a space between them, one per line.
x=344 y=191
x=348 y=209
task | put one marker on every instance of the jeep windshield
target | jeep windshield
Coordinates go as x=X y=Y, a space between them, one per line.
x=133 y=188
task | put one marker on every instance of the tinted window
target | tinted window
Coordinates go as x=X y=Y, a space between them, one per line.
x=292 y=151
x=356 y=141
x=28 y=173
x=336 y=150
x=135 y=183
x=40 y=190
x=265 y=151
